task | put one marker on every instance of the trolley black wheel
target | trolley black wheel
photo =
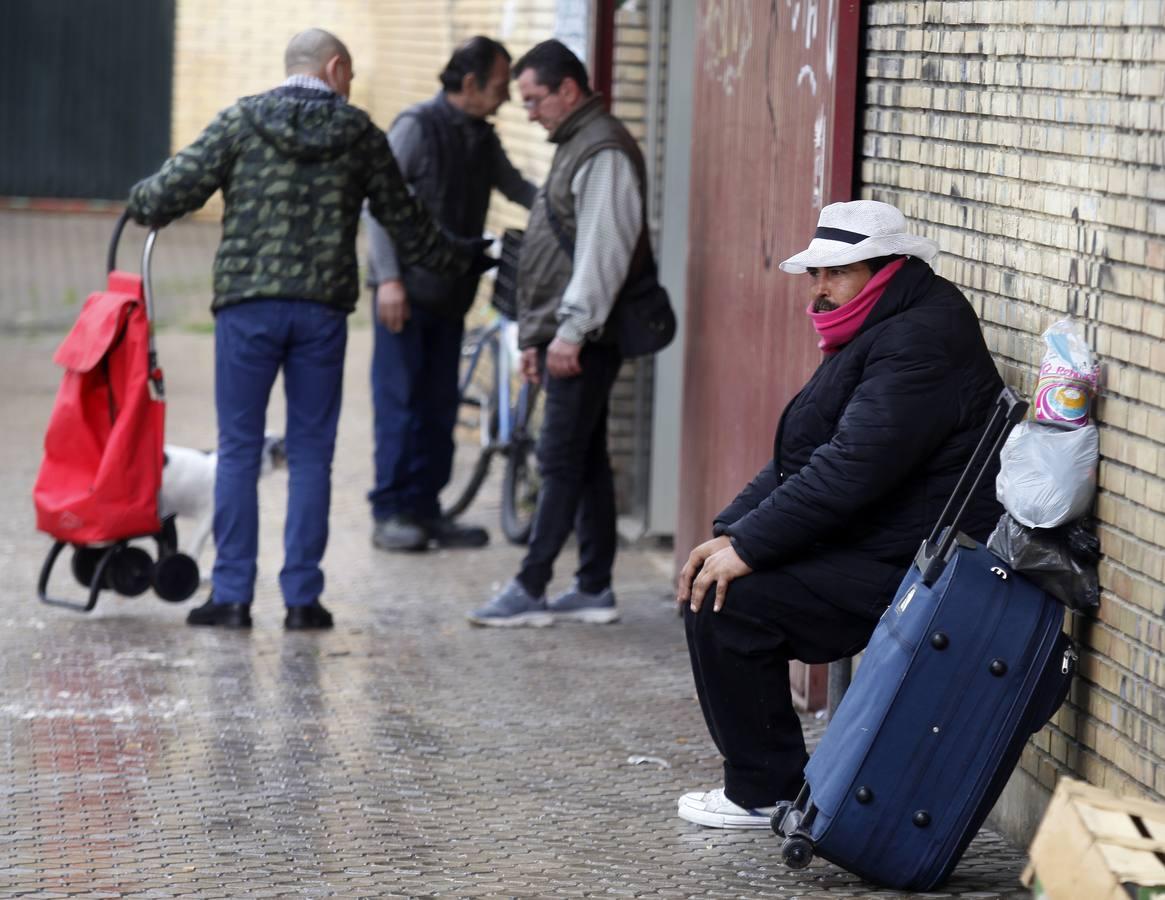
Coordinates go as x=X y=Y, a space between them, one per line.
x=84 y=564
x=130 y=571
x=797 y=851
x=522 y=482
x=175 y=577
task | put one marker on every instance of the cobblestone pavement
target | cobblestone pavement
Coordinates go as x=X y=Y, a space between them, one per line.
x=404 y=754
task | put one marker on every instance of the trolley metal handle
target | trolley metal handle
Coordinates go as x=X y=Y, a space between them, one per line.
x=147 y=253
x=147 y=292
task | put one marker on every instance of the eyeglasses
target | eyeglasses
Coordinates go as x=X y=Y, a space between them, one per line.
x=532 y=103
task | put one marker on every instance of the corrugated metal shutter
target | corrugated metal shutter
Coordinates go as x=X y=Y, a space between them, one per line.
x=84 y=95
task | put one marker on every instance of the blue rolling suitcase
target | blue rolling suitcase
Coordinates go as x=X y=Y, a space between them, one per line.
x=965 y=665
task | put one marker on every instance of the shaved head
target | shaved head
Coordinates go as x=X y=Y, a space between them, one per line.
x=309 y=51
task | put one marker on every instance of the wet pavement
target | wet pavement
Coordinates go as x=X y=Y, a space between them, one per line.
x=403 y=754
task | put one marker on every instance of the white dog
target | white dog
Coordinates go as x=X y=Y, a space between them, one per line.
x=188 y=487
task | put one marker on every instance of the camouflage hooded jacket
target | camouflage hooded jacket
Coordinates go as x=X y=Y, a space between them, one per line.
x=294 y=165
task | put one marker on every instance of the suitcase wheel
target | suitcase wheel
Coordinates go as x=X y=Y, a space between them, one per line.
x=797 y=851
x=777 y=819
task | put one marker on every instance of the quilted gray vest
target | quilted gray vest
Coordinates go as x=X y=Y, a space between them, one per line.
x=544 y=268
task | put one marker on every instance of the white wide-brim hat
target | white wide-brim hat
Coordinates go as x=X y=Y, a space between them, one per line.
x=862 y=229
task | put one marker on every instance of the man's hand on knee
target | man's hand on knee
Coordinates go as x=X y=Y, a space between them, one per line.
x=695 y=562
x=718 y=570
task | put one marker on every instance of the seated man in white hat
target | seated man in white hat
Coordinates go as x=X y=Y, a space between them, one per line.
x=805 y=559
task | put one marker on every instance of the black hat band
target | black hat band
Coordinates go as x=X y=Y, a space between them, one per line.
x=840 y=234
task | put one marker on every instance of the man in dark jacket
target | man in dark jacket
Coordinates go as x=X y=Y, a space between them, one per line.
x=295 y=165
x=452 y=159
x=802 y=563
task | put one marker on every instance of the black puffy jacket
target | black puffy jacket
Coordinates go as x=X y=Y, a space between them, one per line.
x=868 y=452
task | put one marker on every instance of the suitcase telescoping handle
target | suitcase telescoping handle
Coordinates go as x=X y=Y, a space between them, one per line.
x=147 y=292
x=936 y=550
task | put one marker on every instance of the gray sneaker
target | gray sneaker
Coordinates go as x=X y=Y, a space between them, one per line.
x=576 y=605
x=399 y=533
x=513 y=607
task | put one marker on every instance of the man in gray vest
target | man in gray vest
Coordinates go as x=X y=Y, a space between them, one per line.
x=452 y=160
x=586 y=238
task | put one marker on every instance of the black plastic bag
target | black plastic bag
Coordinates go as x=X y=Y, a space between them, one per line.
x=1061 y=561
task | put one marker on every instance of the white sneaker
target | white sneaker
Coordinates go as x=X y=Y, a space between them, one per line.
x=714 y=810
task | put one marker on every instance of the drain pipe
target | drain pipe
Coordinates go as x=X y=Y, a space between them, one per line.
x=603 y=66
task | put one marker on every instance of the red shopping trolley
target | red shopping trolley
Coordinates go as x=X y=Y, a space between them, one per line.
x=99 y=481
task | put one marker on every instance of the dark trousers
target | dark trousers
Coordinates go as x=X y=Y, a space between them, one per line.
x=740 y=662
x=578 y=489
x=414 y=404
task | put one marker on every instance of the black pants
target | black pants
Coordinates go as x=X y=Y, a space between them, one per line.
x=578 y=489
x=740 y=661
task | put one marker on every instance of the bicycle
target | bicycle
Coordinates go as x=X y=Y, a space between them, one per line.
x=488 y=386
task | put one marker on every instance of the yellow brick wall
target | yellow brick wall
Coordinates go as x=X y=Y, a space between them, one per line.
x=226 y=49
x=1028 y=139
x=629 y=424
x=416 y=38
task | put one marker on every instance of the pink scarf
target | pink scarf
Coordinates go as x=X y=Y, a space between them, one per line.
x=838 y=327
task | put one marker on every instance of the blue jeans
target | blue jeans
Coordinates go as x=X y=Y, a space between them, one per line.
x=253 y=341
x=414 y=403
x=578 y=489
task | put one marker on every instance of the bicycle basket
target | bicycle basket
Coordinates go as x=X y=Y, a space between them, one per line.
x=505 y=296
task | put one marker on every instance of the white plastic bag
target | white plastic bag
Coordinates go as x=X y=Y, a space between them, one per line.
x=1068 y=378
x=1047 y=476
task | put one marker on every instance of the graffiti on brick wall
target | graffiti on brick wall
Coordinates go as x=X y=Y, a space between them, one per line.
x=727 y=39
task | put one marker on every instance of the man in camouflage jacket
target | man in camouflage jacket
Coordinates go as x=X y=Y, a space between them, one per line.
x=295 y=165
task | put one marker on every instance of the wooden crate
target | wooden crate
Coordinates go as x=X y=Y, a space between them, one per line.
x=1093 y=844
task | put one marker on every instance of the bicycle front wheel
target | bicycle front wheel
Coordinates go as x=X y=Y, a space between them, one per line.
x=521 y=483
x=476 y=432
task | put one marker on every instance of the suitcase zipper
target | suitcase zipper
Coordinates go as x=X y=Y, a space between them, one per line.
x=1069 y=663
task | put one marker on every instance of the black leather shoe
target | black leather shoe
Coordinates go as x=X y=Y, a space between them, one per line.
x=447 y=533
x=303 y=618
x=229 y=615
